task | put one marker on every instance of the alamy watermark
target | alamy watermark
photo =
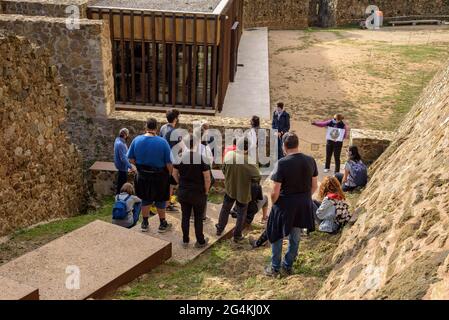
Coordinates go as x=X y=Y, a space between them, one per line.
x=72 y=22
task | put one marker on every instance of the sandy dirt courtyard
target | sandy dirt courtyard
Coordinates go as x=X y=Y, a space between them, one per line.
x=372 y=77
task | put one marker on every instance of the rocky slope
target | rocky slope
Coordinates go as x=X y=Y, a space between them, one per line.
x=40 y=170
x=399 y=246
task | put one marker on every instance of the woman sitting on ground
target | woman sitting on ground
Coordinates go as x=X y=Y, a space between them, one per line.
x=331 y=195
x=127 y=207
x=356 y=172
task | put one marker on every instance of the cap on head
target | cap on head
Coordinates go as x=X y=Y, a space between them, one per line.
x=124 y=132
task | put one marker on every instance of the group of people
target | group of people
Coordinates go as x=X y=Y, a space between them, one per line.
x=295 y=179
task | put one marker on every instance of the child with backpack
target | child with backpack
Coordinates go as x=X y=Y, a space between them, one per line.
x=126 y=210
x=333 y=211
x=356 y=172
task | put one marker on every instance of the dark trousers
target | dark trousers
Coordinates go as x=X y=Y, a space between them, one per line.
x=280 y=151
x=195 y=204
x=241 y=209
x=345 y=188
x=122 y=178
x=333 y=148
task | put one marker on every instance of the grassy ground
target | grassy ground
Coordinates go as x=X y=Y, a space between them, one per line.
x=25 y=240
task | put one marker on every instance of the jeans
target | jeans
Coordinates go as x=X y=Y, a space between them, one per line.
x=333 y=148
x=241 y=209
x=122 y=178
x=136 y=213
x=345 y=188
x=196 y=204
x=290 y=255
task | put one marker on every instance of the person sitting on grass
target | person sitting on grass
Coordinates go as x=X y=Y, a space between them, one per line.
x=356 y=172
x=127 y=207
x=330 y=213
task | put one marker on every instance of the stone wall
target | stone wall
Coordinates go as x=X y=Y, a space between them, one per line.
x=276 y=14
x=399 y=246
x=83 y=61
x=40 y=170
x=49 y=8
x=295 y=14
x=371 y=143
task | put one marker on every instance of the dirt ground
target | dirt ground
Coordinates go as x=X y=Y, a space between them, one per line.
x=372 y=77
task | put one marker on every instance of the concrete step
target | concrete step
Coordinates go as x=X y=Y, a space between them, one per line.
x=179 y=253
x=13 y=290
x=106 y=256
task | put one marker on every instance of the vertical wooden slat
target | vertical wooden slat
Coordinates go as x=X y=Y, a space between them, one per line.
x=221 y=71
x=143 y=77
x=205 y=62
x=184 y=53
x=133 y=59
x=214 y=65
x=164 y=60
x=154 y=72
x=194 y=62
x=173 y=61
x=123 y=94
x=111 y=31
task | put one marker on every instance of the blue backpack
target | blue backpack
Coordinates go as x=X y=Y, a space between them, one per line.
x=119 y=211
x=360 y=174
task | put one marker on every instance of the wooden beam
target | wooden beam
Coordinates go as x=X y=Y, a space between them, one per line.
x=154 y=56
x=174 y=59
x=205 y=62
x=133 y=60
x=164 y=61
x=194 y=64
x=123 y=94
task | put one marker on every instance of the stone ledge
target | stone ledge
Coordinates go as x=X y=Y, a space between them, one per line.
x=371 y=143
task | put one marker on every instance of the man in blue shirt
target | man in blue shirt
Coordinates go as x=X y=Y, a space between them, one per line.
x=121 y=160
x=152 y=156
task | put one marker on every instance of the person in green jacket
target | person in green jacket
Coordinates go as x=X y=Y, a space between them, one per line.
x=239 y=173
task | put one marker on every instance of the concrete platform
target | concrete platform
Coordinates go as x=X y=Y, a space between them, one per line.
x=179 y=253
x=12 y=290
x=107 y=256
x=250 y=93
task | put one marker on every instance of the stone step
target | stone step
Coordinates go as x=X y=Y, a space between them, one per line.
x=179 y=253
x=13 y=290
x=106 y=256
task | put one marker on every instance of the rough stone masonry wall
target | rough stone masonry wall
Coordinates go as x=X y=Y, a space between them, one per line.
x=293 y=14
x=83 y=61
x=40 y=170
x=49 y=8
x=399 y=246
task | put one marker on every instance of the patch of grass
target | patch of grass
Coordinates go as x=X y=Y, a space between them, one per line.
x=216 y=198
x=25 y=240
x=61 y=227
x=416 y=53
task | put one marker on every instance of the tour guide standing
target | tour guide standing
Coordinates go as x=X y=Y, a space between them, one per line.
x=121 y=160
x=151 y=155
x=281 y=123
x=337 y=131
x=239 y=174
x=295 y=180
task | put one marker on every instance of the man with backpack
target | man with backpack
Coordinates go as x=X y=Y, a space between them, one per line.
x=356 y=172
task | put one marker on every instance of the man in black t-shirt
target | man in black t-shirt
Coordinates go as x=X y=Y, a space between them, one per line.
x=295 y=180
x=194 y=179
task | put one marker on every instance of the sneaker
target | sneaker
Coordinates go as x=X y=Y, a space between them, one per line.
x=164 y=227
x=171 y=208
x=253 y=243
x=326 y=170
x=239 y=239
x=185 y=245
x=145 y=226
x=219 y=232
x=270 y=272
x=200 y=246
x=206 y=219
x=287 y=272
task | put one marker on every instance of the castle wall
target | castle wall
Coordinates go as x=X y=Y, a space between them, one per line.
x=40 y=169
